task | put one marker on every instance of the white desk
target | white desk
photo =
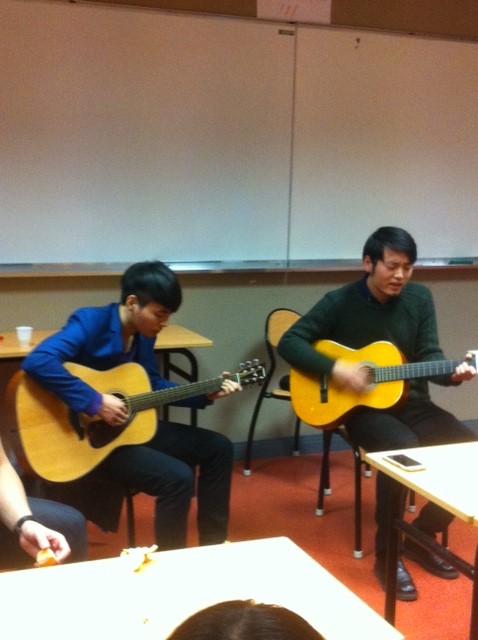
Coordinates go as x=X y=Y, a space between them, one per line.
x=450 y=479
x=105 y=598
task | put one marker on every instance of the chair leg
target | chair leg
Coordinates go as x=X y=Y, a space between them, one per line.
x=250 y=437
x=324 y=481
x=358 y=553
x=130 y=520
x=324 y=488
x=358 y=462
x=296 y=450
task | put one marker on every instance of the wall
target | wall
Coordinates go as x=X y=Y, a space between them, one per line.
x=455 y=18
x=231 y=309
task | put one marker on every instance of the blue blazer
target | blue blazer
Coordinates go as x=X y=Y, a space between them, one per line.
x=92 y=337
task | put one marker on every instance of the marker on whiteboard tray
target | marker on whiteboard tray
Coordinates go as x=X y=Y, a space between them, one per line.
x=461 y=261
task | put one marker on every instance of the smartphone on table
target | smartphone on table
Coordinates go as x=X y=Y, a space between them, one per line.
x=405 y=462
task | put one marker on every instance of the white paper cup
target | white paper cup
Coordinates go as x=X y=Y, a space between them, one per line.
x=24 y=336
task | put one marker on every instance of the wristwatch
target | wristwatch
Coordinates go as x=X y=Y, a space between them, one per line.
x=18 y=526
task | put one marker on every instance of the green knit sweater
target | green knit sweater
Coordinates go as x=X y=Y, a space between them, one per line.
x=347 y=317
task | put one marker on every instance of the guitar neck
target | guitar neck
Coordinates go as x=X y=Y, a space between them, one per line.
x=155 y=399
x=411 y=370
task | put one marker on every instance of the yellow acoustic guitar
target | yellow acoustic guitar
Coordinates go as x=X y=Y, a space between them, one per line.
x=322 y=404
x=61 y=445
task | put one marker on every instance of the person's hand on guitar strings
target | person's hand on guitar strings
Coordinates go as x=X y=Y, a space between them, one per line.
x=113 y=410
x=350 y=376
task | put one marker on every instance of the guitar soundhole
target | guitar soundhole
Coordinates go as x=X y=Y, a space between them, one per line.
x=369 y=369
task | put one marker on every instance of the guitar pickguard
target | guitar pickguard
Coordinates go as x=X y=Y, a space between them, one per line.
x=61 y=446
x=100 y=434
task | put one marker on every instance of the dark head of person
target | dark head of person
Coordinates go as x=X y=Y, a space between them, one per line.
x=391 y=238
x=245 y=620
x=152 y=281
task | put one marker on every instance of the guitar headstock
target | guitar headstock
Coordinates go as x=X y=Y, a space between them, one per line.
x=251 y=372
x=473 y=361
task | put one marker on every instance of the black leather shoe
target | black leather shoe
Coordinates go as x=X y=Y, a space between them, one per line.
x=406 y=590
x=429 y=561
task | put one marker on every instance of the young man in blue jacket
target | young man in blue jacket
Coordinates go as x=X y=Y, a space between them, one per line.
x=104 y=337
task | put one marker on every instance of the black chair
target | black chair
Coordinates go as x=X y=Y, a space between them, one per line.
x=324 y=485
x=324 y=482
x=277 y=323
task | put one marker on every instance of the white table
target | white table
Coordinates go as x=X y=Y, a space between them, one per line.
x=105 y=598
x=450 y=479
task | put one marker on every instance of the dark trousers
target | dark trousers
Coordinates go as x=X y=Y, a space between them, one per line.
x=59 y=517
x=166 y=468
x=417 y=423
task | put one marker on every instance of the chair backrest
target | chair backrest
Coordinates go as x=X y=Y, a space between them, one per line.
x=277 y=323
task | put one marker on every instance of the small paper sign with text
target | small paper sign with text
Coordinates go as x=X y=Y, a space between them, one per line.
x=299 y=11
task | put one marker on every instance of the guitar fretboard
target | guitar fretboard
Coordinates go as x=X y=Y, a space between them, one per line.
x=411 y=370
x=155 y=399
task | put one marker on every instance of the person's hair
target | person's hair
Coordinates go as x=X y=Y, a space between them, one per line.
x=245 y=620
x=392 y=238
x=152 y=281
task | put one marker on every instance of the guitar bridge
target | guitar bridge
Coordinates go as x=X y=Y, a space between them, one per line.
x=324 y=393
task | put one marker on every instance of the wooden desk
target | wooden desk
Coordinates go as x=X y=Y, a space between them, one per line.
x=105 y=598
x=176 y=340
x=455 y=491
x=172 y=338
x=175 y=337
x=11 y=350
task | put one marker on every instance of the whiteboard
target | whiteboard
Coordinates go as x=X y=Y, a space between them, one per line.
x=130 y=134
x=386 y=133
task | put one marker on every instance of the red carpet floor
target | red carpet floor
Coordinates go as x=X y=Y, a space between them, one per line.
x=279 y=499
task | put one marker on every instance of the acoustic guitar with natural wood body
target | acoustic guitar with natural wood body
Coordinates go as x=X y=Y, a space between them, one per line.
x=61 y=445
x=318 y=402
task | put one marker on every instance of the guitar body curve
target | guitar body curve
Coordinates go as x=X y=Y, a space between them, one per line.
x=52 y=446
x=60 y=445
x=329 y=412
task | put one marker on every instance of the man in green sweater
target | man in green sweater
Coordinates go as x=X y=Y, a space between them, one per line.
x=384 y=305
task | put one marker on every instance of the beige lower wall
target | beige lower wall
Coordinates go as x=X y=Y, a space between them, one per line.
x=231 y=309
